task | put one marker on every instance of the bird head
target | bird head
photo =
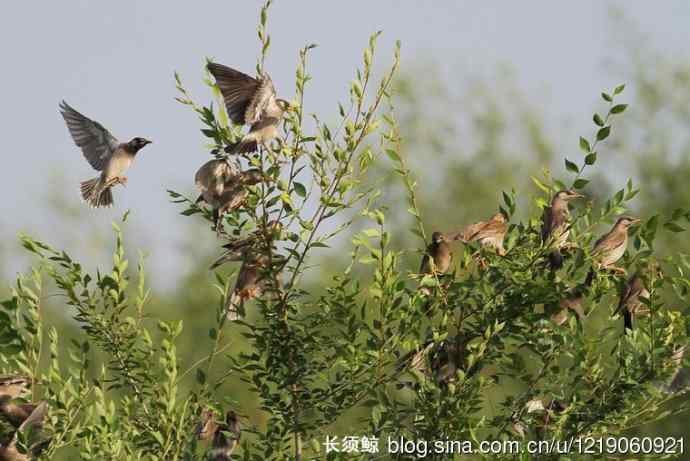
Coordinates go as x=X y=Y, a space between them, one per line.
x=136 y=144
x=438 y=237
x=284 y=105
x=253 y=176
x=568 y=194
x=499 y=217
x=627 y=221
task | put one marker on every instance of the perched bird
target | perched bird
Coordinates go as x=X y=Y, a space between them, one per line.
x=250 y=101
x=250 y=283
x=438 y=361
x=488 y=233
x=556 y=225
x=629 y=304
x=611 y=247
x=225 y=435
x=438 y=255
x=105 y=154
x=571 y=302
x=223 y=186
x=14 y=386
x=34 y=420
x=253 y=240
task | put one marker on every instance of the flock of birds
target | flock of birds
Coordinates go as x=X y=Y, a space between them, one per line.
x=222 y=185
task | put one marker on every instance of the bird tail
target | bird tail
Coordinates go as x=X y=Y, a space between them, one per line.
x=244 y=146
x=590 y=278
x=555 y=260
x=627 y=319
x=96 y=193
x=235 y=306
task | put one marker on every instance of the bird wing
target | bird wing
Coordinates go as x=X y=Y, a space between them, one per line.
x=632 y=289
x=426 y=263
x=95 y=141
x=238 y=90
x=610 y=242
x=36 y=416
x=264 y=100
x=473 y=231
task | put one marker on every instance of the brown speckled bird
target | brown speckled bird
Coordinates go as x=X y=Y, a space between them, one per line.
x=223 y=187
x=572 y=301
x=250 y=282
x=438 y=361
x=250 y=101
x=488 y=233
x=556 y=225
x=629 y=304
x=225 y=435
x=438 y=256
x=14 y=386
x=103 y=152
x=611 y=247
x=34 y=420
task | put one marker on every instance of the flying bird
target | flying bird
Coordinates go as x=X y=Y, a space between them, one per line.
x=488 y=233
x=250 y=101
x=556 y=225
x=222 y=186
x=103 y=152
x=611 y=247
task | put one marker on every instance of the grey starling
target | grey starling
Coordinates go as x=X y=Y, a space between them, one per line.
x=103 y=152
x=556 y=225
x=611 y=247
x=250 y=101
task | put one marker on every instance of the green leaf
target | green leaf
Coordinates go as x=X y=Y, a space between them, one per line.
x=606 y=97
x=598 y=120
x=591 y=159
x=570 y=166
x=603 y=133
x=300 y=189
x=673 y=227
x=618 y=108
x=584 y=145
x=580 y=183
x=619 y=89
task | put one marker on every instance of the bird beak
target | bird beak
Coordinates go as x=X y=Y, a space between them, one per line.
x=635 y=221
x=147 y=141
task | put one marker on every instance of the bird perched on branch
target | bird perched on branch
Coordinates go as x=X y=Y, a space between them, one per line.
x=223 y=186
x=556 y=225
x=250 y=101
x=611 y=247
x=13 y=386
x=225 y=435
x=34 y=420
x=630 y=304
x=251 y=280
x=439 y=361
x=260 y=238
x=572 y=301
x=488 y=233
x=438 y=256
x=103 y=152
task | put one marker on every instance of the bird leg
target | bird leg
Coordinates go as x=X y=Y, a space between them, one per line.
x=481 y=262
x=120 y=180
